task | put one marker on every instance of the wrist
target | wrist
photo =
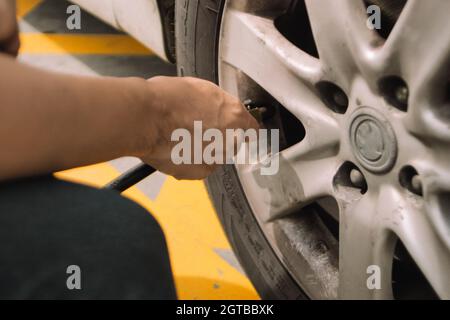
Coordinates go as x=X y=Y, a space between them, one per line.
x=144 y=129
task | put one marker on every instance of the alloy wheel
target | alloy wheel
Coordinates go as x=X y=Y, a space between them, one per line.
x=374 y=146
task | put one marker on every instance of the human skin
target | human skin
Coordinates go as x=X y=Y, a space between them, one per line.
x=51 y=122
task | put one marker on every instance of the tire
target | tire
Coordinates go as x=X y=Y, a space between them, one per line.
x=197 y=37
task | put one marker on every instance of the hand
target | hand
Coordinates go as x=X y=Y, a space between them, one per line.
x=180 y=102
x=9 y=31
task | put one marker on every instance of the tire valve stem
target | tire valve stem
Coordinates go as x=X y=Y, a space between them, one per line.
x=258 y=112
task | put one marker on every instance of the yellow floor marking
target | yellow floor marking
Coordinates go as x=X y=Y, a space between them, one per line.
x=112 y=44
x=26 y=6
x=192 y=230
x=95 y=176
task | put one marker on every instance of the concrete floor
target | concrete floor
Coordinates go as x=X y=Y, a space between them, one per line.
x=203 y=263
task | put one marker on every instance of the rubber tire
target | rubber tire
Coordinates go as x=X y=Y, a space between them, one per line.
x=197 y=36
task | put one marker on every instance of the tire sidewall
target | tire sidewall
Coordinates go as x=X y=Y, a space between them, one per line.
x=197 y=40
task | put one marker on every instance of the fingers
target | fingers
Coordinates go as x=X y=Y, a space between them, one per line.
x=188 y=102
x=190 y=172
x=243 y=119
x=250 y=121
x=198 y=172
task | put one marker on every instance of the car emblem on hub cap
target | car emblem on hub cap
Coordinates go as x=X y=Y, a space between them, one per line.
x=373 y=140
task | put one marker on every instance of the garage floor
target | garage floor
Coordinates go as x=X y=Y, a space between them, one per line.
x=203 y=263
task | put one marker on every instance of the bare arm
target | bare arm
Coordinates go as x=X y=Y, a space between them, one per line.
x=51 y=122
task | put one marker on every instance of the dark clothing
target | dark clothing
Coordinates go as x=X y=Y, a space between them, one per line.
x=47 y=225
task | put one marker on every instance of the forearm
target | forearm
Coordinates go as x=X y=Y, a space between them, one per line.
x=51 y=122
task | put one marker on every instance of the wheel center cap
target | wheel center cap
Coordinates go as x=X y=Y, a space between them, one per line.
x=373 y=140
x=369 y=140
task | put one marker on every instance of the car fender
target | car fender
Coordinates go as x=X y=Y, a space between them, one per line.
x=139 y=18
x=142 y=20
x=102 y=9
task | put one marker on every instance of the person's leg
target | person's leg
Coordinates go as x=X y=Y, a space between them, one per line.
x=47 y=225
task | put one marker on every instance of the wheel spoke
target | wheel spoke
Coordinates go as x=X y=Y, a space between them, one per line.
x=364 y=245
x=414 y=52
x=434 y=174
x=331 y=22
x=296 y=184
x=425 y=120
x=410 y=221
x=252 y=45
x=412 y=44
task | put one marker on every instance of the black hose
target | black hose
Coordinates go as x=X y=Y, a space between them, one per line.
x=130 y=178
